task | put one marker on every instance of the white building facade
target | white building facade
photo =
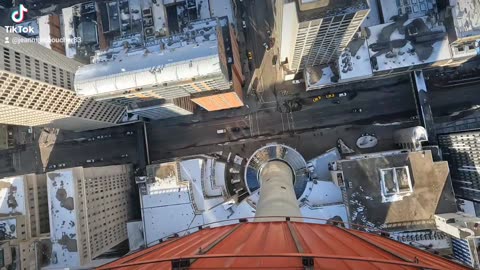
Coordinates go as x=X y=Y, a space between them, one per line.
x=34 y=90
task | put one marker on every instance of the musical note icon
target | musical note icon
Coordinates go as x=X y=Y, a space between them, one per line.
x=19 y=15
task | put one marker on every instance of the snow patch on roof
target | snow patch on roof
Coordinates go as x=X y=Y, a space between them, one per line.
x=392 y=50
x=63 y=219
x=466 y=17
x=318 y=77
x=12 y=196
x=355 y=64
x=69 y=32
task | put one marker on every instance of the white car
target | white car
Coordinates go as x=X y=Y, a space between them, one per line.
x=266 y=46
x=221 y=131
x=124 y=155
x=244 y=24
x=90 y=160
x=297 y=81
x=343 y=94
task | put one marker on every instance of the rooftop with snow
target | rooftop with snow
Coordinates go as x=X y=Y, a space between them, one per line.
x=195 y=191
x=407 y=43
x=412 y=8
x=466 y=17
x=382 y=189
x=192 y=54
x=64 y=234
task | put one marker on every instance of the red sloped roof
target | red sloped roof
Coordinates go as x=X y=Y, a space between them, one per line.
x=274 y=245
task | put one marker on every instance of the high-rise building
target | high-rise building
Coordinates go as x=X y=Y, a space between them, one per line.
x=168 y=76
x=89 y=209
x=461 y=151
x=315 y=32
x=35 y=90
x=24 y=219
x=47 y=31
x=464 y=22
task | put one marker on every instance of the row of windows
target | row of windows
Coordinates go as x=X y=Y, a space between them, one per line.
x=37 y=72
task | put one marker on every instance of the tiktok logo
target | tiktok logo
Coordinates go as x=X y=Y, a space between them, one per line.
x=19 y=15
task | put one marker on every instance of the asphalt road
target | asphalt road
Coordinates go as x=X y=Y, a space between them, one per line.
x=386 y=104
x=74 y=149
x=258 y=15
x=452 y=100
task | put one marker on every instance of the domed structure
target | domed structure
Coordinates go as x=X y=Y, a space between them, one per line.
x=282 y=245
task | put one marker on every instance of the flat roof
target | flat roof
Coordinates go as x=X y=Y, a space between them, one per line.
x=12 y=196
x=392 y=49
x=192 y=54
x=432 y=192
x=466 y=17
x=61 y=188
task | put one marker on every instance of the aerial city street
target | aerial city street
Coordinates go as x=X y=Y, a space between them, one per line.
x=225 y=134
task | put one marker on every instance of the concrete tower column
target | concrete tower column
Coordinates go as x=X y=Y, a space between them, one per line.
x=277 y=196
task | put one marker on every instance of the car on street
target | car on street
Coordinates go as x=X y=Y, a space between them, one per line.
x=62 y=165
x=235 y=129
x=129 y=133
x=317 y=99
x=357 y=110
x=330 y=95
x=297 y=81
x=124 y=156
x=266 y=46
x=52 y=166
x=244 y=24
x=342 y=94
x=221 y=131
x=90 y=160
x=250 y=55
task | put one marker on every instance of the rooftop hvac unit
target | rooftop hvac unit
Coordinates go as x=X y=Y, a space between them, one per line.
x=140 y=179
x=338 y=179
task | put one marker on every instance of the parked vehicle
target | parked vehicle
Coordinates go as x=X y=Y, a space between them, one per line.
x=266 y=46
x=244 y=24
x=330 y=95
x=124 y=155
x=250 y=55
x=342 y=94
x=317 y=99
x=357 y=110
x=129 y=132
x=221 y=131
x=297 y=81
x=235 y=129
